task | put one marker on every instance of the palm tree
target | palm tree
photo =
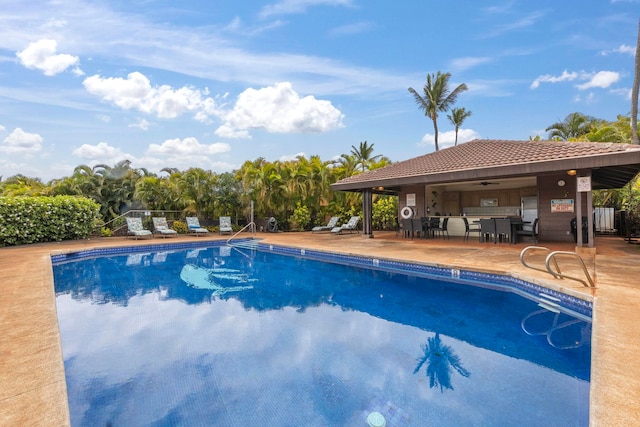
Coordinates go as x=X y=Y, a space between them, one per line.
x=457 y=117
x=364 y=155
x=437 y=98
x=634 y=93
x=440 y=359
x=574 y=126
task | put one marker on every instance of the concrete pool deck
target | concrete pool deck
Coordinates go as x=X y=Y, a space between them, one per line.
x=32 y=382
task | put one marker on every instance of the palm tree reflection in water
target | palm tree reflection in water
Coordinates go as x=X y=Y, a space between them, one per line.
x=440 y=360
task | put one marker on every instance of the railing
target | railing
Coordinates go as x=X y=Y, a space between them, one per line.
x=253 y=230
x=551 y=258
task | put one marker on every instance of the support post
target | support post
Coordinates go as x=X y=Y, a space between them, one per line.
x=367 y=213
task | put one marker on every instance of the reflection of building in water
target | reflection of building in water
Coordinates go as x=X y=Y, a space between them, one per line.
x=212 y=278
x=440 y=360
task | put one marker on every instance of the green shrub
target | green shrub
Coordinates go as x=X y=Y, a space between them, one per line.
x=106 y=232
x=385 y=212
x=180 y=227
x=301 y=217
x=26 y=220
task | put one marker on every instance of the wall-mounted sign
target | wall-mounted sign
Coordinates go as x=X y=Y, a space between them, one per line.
x=562 y=205
x=489 y=202
x=584 y=183
x=411 y=199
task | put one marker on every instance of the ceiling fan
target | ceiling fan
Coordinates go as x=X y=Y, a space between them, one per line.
x=485 y=183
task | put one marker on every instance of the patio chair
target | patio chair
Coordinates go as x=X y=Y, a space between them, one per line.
x=442 y=229
x=503 y=230
x=330 y=225
x=407 y=228
x=416 y=228
x=194 y=226
x=533 y=232
x=161 y=227
x=225 y=225
x=350 y=226
x=470 y=228
x=487 y=229
x=136 y=229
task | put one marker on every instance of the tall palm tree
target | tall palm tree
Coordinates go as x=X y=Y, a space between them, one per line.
x=457 y=117
x=574 y=126
x=437 y=98
x=634 y=93
x=364 y=154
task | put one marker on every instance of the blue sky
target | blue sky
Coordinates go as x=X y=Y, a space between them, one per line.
x=211 y=84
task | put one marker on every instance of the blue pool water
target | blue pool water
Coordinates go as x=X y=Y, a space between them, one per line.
x=215 y=336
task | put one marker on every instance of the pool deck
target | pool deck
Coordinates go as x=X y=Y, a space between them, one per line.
x=32 y=383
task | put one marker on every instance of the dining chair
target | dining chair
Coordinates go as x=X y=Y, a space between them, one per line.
x=416 y=227
x=487 y=228
x=503 y=230
x=470 y=228
x=443 y=228
x=407 y=228
x=533 y=232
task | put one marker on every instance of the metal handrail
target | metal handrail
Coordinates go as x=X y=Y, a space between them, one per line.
x=552 y=257
x=540 y=248
x=253 y=229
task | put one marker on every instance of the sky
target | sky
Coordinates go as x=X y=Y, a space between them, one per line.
x=212 y=84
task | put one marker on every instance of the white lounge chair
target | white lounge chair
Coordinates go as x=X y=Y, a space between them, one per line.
x=225 y=225
x=194 y=226
x=160 y=226
x=136 y=229
x=330 y=225
x=350 y=226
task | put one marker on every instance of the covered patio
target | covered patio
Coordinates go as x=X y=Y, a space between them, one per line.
x=498 y=178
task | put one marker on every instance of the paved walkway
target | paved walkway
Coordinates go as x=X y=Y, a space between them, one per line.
x=32 y=384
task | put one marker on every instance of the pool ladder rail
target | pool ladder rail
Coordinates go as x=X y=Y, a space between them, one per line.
x=251 y=243
x=555 y=271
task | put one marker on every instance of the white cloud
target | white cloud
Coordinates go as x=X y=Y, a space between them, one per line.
x=286 y=7
x=189 y=146
x=461 y=64
x=135 y=92
x=42 y=55
x=141 y=124
x=547 y=78
x=623 y=49
x=601 y=79
x=291 y=157
x=448 y=138
x=279 y=109
x=20 y=141
x=2 y=128
x=356 y=28
x=102 y=153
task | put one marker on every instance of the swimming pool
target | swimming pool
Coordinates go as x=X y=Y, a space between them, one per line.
x=210 y=335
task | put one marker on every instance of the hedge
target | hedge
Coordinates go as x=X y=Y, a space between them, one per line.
x=26 y=220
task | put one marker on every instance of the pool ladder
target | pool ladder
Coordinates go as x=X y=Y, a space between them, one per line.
x=250 y=243
x=551 y=258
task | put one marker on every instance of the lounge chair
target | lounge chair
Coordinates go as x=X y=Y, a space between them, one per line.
x=333 y=222
x=350 y=226
x=161 y=227
x=136 y=229
x=225 y=225
x=194 y=226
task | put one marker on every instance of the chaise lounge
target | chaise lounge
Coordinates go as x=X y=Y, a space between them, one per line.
x=350 y=226
x=333 y=222
x=225 y=225
x=161 y=227
x=194 y=226
x=136 y=229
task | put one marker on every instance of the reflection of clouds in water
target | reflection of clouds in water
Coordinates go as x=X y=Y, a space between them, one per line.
x=254 y=355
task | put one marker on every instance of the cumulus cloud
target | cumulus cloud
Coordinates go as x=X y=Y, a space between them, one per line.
x=140 y=124
x=101 y=152
x=623 y=49
x=601 y=79
x=41 y=55
x=548 y=78
x=279 y=109
x=2 y=128
x=292 y=157
x=136 y=93
x=189 y=146
x=448 y=138
x=21 y=142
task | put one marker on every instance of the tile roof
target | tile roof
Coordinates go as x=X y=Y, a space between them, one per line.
x=487 y=154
